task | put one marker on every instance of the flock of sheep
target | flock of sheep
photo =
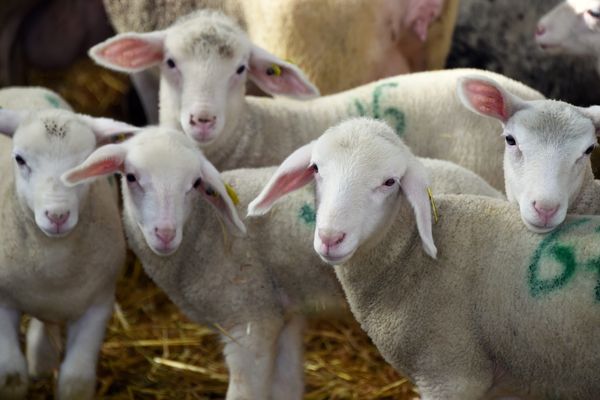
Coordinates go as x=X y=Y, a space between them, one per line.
x=472 y=292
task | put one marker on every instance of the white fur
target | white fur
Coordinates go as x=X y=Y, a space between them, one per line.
x=423 y=107
x=56 y=272
x=254 y=287
x=548 y=167
x=573 y=27
x=469 y=322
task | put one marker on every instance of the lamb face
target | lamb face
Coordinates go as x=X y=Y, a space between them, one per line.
x=571 y=27
x=163 y=174
x=548 y=144
x=205 y=60
x=359 y=184
x=45 y=145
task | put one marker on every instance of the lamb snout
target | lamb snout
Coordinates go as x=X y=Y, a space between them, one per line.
x=165 y=234
x=331 y=238
x=57 y=218
x=201 y=122
x=545 y=210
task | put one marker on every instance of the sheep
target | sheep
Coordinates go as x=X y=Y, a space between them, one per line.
x=434 y=311
x=572 y=27
x=54 y=263
x=234 y=130
x=248 y=289
x=547 y=163
x=499 y=36
x=378 y=38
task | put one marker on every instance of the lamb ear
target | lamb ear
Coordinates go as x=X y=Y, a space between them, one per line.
x=278 y=77
x=420 y=14
x=104 y=161
x=130 y=52
x=485 y=97
x=108 y=130
x=593 y=113
x=293 y=173
x=414 y=184
x=10 y=120
x=213 y=190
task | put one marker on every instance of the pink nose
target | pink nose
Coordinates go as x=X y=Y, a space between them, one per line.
x=58 y=219
x=203 y=121
x=540 y=30
x=331 y=238
x=165 y=235
x=545 y=211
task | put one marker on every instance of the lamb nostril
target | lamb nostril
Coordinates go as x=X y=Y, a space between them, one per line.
x=203 y=120
x=545 y=211
x=331 y=238
x=165 y=235
x=58 y=218
x=540 y=30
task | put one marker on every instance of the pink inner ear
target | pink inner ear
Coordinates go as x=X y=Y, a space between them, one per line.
x=285 y=184
x=288 y=83
x=486 y=99
x=131 y=53
x=99 y=168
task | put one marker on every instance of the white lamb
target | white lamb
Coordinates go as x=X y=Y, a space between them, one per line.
x=547 y=163
x=572 y=27
x=55 y=261
x=491 y=305
x=205 y=60
x=255 y=290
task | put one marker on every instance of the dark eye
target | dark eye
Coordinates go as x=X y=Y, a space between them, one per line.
x=589 y=150
x=314 y=168
x=130 y=178
x=20 y=160
x=210 y=192
x=170 y=63
x=389 y=182
x=240 y=69
x=594 y=13
x=197 y=183
x=510 y=140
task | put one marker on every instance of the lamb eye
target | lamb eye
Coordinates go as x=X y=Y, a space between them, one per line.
x=389 y=182
x=130 y=178
x=20 y=160
x=315 y=168
x=594 y=13
x=510 y=140
x=589 y=150
x=197 y=183
x=170 y=63
x=240 y=69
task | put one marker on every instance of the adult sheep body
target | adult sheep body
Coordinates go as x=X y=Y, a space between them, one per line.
x=255 y=290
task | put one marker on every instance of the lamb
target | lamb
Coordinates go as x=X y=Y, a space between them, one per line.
x=547 y=165
x=572 y=27
x=433 y=311
x=234 y=130
x=53 y=265
x=499 y=36
x=247 y=288
x=378 y=38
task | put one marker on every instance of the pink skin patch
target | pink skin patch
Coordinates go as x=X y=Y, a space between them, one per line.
x=486 y=99
x=285 y=184
x=99 y=168
x=421 y=13
x=131 y=53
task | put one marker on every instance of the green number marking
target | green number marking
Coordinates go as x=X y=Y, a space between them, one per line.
x=308 y=214
x=564 y=255
x=54 y=102
x=393 y=115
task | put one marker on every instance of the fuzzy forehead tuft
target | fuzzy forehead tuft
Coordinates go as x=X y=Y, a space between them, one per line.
x=207 y=33
x=553 y=122
x=362 y=135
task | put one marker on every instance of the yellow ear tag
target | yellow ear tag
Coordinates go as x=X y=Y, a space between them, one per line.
x=433 y=206
x=274 y=69
x=119 y=138
x=232 y=194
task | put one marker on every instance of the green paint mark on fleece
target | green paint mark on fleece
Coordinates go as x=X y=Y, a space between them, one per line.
x=53 y=100
x=307 y=214
x=564 y=255
x=393 y=115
